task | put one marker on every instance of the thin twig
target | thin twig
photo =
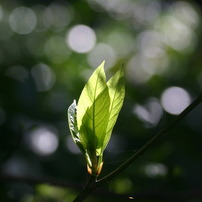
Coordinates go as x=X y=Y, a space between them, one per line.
x=93 y=183
x=92 y=186
x=153 y=140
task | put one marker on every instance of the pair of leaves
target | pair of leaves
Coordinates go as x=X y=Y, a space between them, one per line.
x=92 y=121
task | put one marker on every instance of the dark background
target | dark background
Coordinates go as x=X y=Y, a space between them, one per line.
x=43 y=69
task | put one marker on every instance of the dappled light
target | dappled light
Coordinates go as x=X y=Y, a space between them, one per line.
x=121 y=186
x=123 y=47
x=43 y=76
x=22 y=20
x=17 y=166
x=57 y=16
x=175 y=99
x=150 y=44
x=102 y=52
x=49 y=49
x=146 y=13
x=156 y=170
x=178 y=35
x=150 y=113
x=135 y=72
x=186 y=12
x=43 y=141
x=81 y=38
x=18 y=73
x=56 y=49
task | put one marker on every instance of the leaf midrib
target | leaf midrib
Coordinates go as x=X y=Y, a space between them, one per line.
x=111 y=109
x=95 y=92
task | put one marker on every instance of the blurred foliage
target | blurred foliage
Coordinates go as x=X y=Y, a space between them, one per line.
x=48 y=49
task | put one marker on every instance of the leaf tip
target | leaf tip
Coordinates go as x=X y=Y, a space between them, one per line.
x=102 y=64
x=74 y=102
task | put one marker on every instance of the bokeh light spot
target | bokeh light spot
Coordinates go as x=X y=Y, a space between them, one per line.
x=151 y=44
x=150 y=113
x=17 y=166
x=17 y=72
x=122 y=47
x=175 y=99
x=56 y=49
x=156 y=170
x=44 y=77
x=43 y=141
x=22 y=20
x=135 y=71
x=178 y=35
x=121 y=185
x=39 y=10
x=81 y=38
x=145 y=13
x=57 y=16
x=185 y=12
x=102 y=52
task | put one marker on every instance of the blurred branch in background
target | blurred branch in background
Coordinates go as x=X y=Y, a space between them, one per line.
x=39 y=180
x=192 y=194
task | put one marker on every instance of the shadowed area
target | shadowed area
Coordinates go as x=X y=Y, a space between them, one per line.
x=49 y=49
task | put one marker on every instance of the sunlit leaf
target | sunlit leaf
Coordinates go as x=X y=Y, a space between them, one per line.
x=116 y=92
x=91 y=122
x=93 y=112
x=72 y=120
x=72 y=111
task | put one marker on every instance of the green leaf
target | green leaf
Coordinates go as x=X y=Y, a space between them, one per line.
x=71 y=112
x=93 y=111
x=72 y=120
x=92 y=121
x=116 y=87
